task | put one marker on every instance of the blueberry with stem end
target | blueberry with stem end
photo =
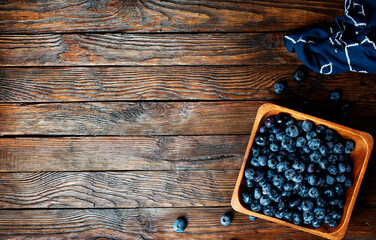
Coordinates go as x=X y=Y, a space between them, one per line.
x=299 y=75
x=226 y=219
x=335 y=95
x=180 y=224
x=280 y=87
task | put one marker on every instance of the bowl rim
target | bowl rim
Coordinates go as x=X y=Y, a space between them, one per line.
x=338 y=232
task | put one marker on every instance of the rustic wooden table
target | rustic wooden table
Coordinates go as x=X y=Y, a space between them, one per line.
x=117 y=117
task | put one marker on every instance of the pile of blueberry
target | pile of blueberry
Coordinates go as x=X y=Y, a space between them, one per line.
x=298 y=172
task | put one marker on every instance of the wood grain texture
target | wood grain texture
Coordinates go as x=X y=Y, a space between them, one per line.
x=131 y=189
x=128 y=118
x=143 y=49
x=155 y=118
x=164 y=16
x=156 y=223
x=64 y=84
x=122 y=153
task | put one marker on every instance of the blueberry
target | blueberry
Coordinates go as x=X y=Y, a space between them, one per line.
x=307 y=125
x=288 y=186
x=348 y=167
x=281 y=205
x=298 y=166
x=279 y=214
x=272 y=138
x=333 y=224
x=266 y=188
x=336 y=215
x=314 y=192
x=308 y=216
x=330 y=146
x=349 y=147
x=314 y=143
x=323 y=151
x=270 y=173
x=290 y=121
x=264 y=200
x=297 y=219
x=278 y=180
x=287 y=143
x=262 y=159
x=255 y=151
x=312 y=179
x=315 y=157
x=311 y=168
x=333 y=158
x=290 y=173
x=316 y=223
x=319 y=212
x=299 y=75
x=272 y=163
x=288 y=216
x=274 y=147
x=248 y=173
x=341 y=178
x=261 y=140
x=180 y=224
x=320 y=181
x=332 y=169
x=282 y=118
x=297 y=178
x=263 y=130
x=258 y=176
x=329 y=134
x=269 y=122
x=256 y=207
x=286 y=194
x=321 y=129
x=254 y=162
x=323 y=164
x=246 y=198
x=329 y=193
x=300 y=142
x=280 y=87
x=320 y=202
x=283 y=166
x=292 y=131
x=225 y=220
x=335 y=95
x=330 y=180
x=338 y=148
x=307 y=205
x=327 y=218
x=333 y=201
x=280 y=136
x=269 y=210
x=310 y=135
x=250 y=183
x=348 y=183
x=252 y=218
x=257 y=193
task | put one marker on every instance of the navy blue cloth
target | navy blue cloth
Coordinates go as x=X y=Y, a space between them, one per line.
x=348 y=45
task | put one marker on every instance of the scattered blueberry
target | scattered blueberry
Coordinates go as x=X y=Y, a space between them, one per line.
x=252 y=218
x=292 y=131
x=280 y=87
x=180 y=224
x=335 y=95
x=299 y=75
x=225 y=220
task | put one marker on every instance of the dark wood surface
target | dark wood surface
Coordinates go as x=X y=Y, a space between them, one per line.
x=117 y=117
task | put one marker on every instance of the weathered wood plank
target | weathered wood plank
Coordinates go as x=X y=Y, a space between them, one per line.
x=129 y=189
x=143 y=49
x=154 y=118
x=164 y=16
x=156 y=223
x=128 y=118
x=122 y=153
x=63 y=84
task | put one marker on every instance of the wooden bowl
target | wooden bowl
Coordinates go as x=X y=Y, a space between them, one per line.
x=359 y=157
